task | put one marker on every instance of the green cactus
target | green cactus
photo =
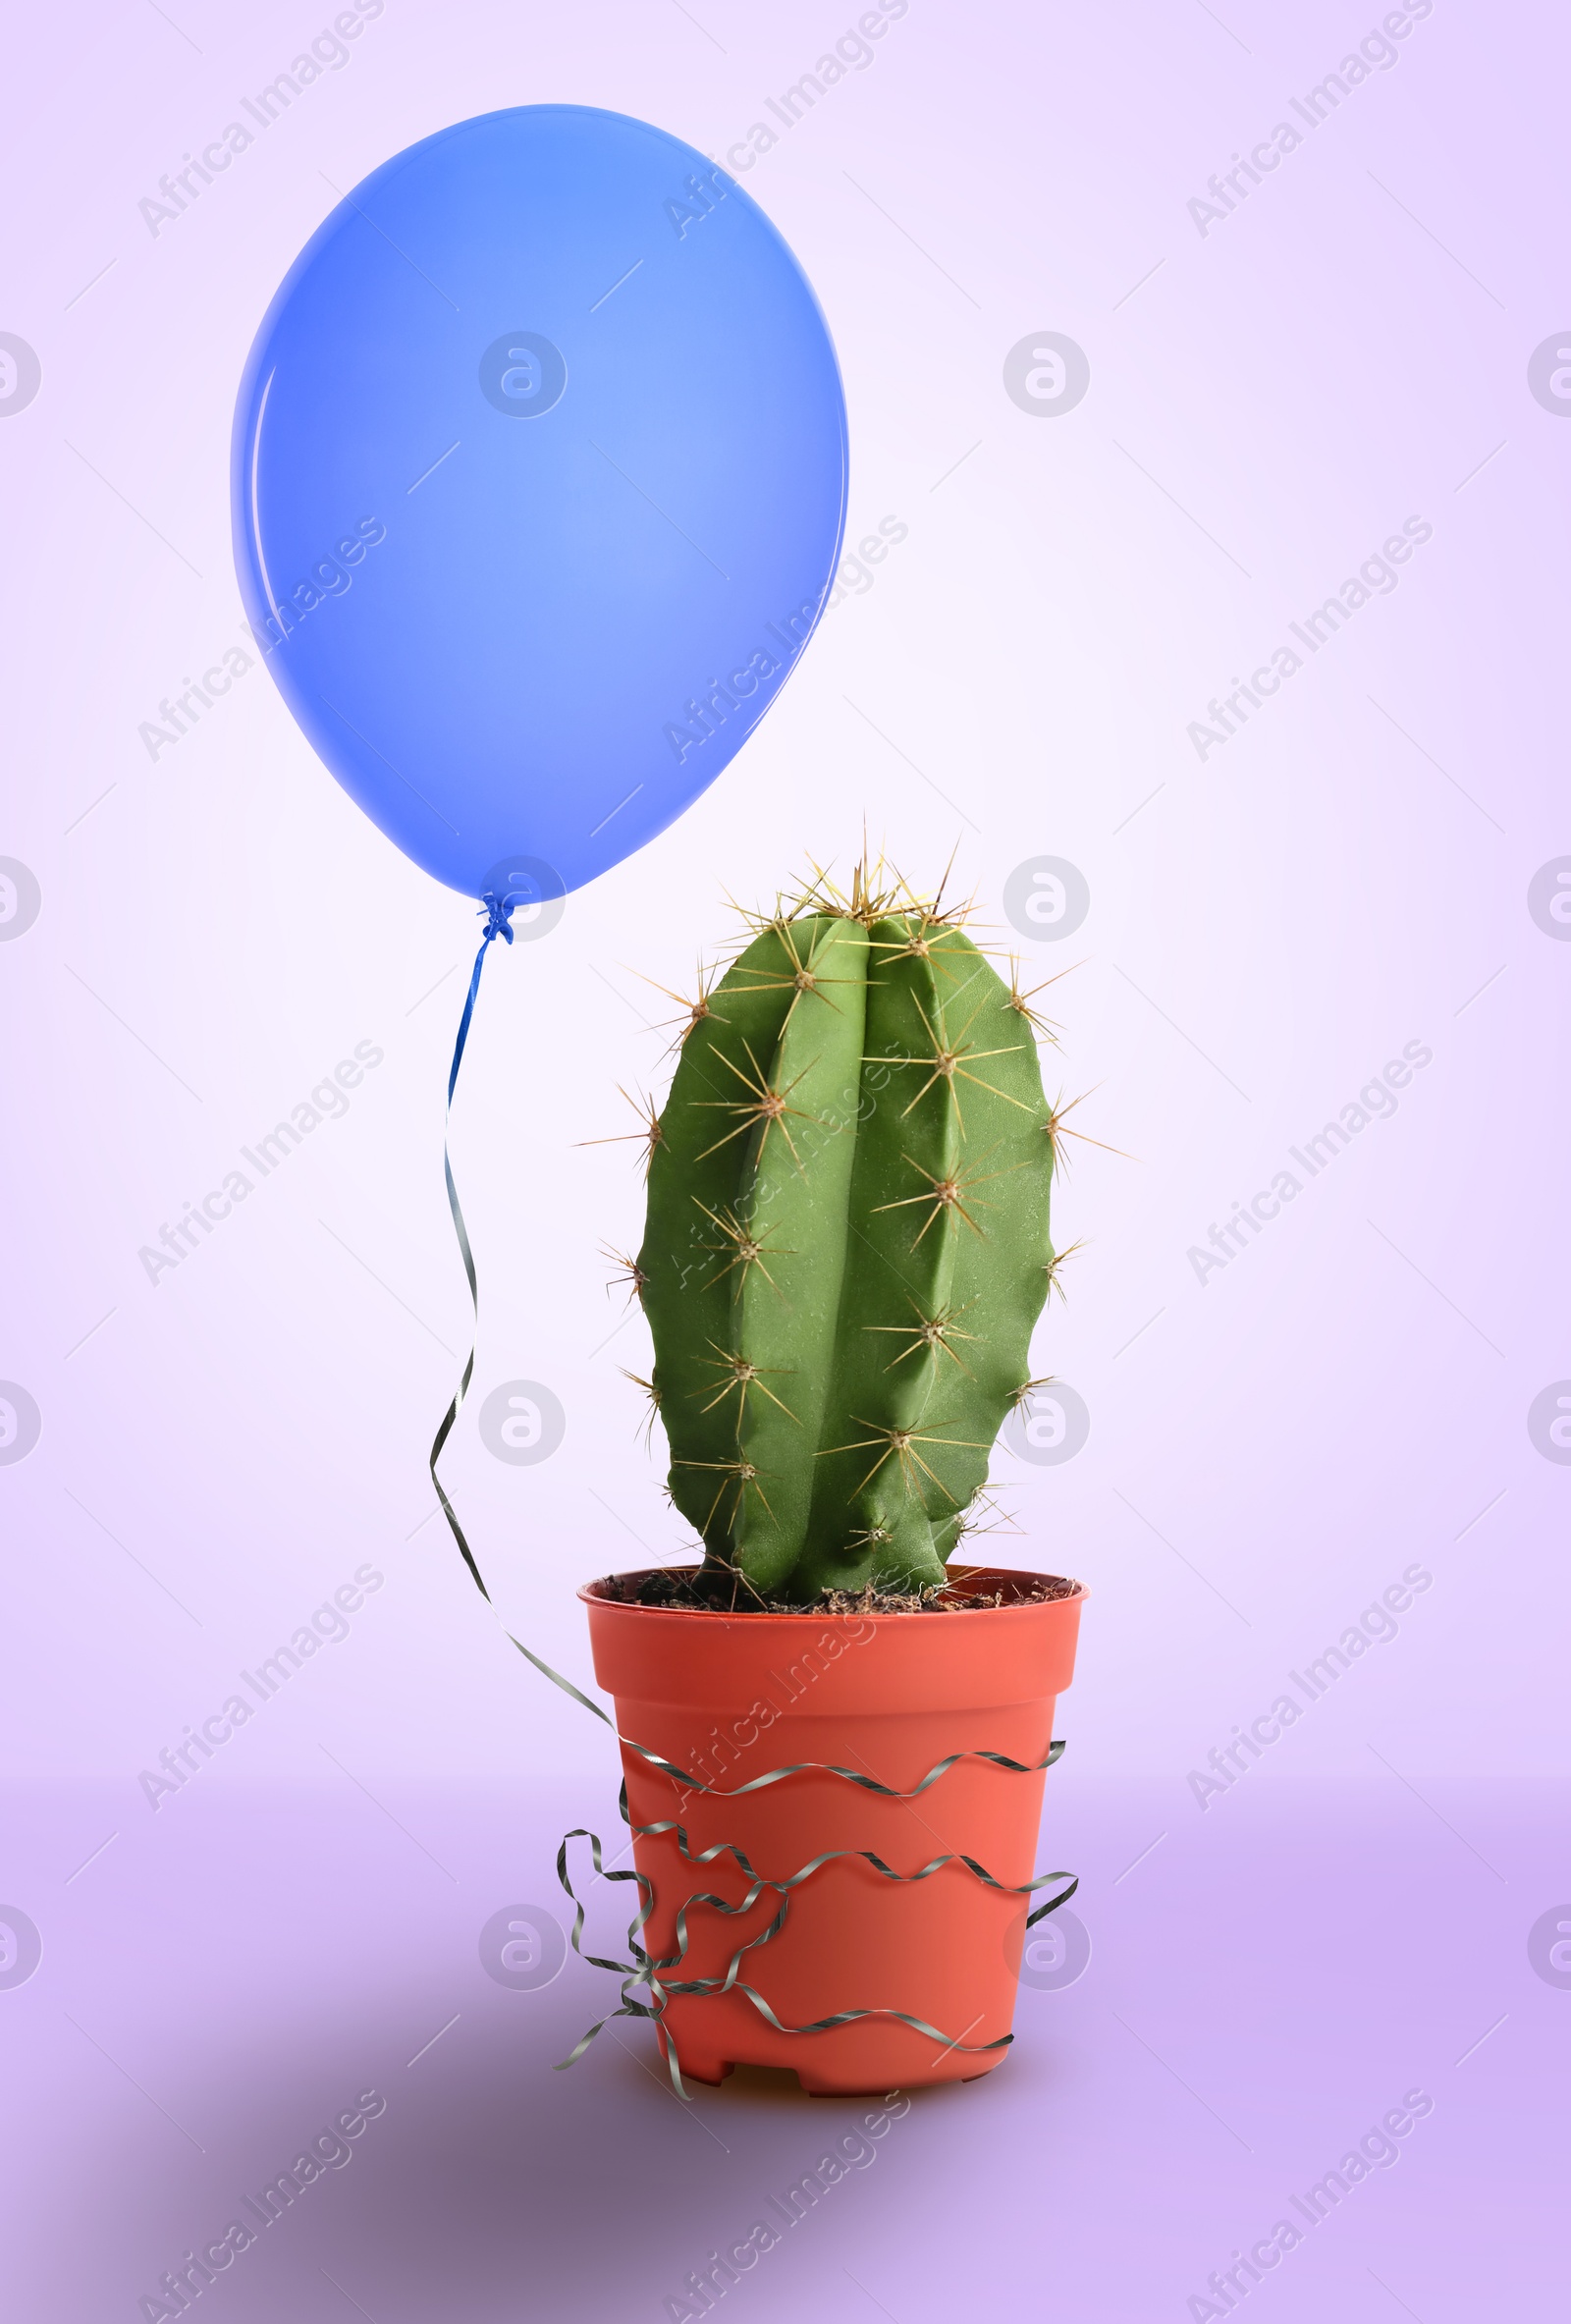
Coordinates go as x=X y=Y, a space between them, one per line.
x=848 y=1242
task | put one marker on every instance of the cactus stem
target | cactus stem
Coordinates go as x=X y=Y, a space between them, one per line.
x=899 y=1444
x=766 y=1106
x=957 y=1287
x=930 y=1332
x=741 y=1375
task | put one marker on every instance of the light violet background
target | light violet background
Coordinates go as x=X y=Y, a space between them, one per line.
x=1269 y=402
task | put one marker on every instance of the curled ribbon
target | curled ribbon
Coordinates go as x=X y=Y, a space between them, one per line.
x=644 y=1968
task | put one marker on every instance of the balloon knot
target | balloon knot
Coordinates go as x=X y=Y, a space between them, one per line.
x=499 y=911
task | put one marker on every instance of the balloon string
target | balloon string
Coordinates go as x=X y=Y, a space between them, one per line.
x=644 y=1968
x=499 y=911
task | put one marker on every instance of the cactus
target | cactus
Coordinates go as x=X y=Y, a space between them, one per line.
x=848 y=1242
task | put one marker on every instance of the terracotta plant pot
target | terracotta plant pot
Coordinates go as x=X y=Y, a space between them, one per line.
x=732 y=1696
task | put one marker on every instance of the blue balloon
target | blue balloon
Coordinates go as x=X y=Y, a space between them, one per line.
x=539 y=483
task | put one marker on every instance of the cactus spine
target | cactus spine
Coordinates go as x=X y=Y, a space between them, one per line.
x=848 y=1242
